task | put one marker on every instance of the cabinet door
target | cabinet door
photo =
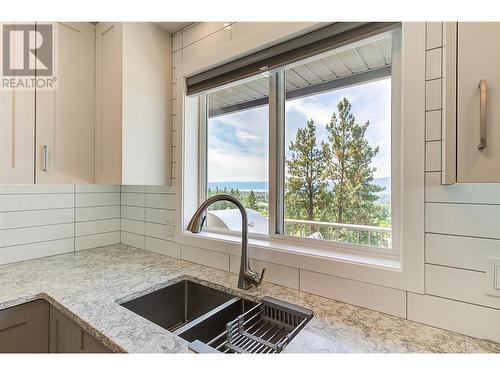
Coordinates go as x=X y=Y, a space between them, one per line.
x=65 y=115
x=17 y=131
x=25 y=328
x=67 y=337
x=108 y=104
x=478 y=59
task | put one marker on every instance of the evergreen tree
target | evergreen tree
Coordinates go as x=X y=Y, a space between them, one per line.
x=305 y=184
x=348 y=158
x=252 y=201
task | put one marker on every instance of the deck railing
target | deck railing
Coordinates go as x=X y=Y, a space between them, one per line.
x=349 y=233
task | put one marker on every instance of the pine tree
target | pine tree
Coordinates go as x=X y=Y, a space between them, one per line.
x=252 y=201
x=305 y=184
x=348 y=158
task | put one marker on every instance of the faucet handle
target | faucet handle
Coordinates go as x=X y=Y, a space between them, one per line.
x=260 y=278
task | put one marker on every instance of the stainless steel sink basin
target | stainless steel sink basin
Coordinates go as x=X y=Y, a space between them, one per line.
x=178 y=304
x=214 y=321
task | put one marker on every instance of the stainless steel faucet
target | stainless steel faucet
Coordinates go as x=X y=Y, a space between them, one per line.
x=247 y=278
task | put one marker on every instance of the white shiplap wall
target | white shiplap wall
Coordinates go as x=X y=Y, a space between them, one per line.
x=44 y=220
x=461 y=225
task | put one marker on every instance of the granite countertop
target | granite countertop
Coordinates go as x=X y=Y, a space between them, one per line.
x=88 y=286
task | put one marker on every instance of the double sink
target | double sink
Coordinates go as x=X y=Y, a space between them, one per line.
x=197 y=313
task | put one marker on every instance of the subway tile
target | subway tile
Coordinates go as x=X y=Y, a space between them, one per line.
x=19 y=219
x=36 y=189
x=206 y=257
x=132 y=226
x=460 y=252
x=275 y=273
x=35 y=250
x=22 y=202
x=97 y=213
x=135 y=213
x=473 y=220
x=434 y=35
x=433 y=156
x=132 y=239
x=459 y=193
x=133 y=188
x=165 y=201
x=158 y=231
x=433 y=125
x=163 y=247
x=379 y=298
x=133 y=199
x=96 y=240
x=99 y=226
x=97 y=199
x=97 y=188
x=18 y=236
x=160 y=216
x=433 y=95
x=433 y=64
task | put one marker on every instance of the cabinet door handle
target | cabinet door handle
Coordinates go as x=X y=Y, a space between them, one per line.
x=45 y=158
x=483 y=95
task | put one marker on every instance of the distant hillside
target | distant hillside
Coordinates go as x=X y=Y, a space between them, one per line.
x=384 y=182
x=240 y=185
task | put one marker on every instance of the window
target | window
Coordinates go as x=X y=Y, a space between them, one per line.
x=237 y=143
x=331 y=172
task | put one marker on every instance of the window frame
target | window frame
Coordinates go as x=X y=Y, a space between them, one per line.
x=276 y=173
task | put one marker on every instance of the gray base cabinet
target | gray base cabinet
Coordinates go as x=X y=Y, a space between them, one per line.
x=25 y=328
x=67 y=337
x=38 y=327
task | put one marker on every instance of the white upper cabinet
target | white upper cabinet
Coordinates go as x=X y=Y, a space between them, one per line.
x=472 y=127
x=65 y=115
x=17 y=131
x=132 y=104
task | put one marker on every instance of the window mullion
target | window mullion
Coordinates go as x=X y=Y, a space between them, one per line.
x=276 y=152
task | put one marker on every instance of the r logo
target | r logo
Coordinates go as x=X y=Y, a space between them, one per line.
x=27 y=50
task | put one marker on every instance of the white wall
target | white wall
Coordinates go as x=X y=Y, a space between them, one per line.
x=44 y=220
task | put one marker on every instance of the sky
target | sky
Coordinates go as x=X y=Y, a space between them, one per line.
x=238 y=142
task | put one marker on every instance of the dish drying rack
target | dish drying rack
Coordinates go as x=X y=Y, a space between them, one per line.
x=266 y=328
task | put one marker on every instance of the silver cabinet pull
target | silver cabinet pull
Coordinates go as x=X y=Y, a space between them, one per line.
x=483 y=94
x=45 y=158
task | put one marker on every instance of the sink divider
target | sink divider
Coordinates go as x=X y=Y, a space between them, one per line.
x=206 y=316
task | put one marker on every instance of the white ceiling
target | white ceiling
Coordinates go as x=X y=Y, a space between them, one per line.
x=172 y=27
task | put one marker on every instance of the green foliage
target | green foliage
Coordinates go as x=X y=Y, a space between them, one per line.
x=334 y=182
x=348 y=157
x=306 y=187
x=252 y=201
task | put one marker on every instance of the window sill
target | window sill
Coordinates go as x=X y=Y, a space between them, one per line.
x=279 y=250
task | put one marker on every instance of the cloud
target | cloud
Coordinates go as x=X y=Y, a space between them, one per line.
x=238 y=142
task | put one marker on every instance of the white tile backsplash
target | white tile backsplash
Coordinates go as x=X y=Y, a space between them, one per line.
x=44 y=220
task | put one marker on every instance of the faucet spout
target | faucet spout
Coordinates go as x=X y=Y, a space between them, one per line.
x=247 y=278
